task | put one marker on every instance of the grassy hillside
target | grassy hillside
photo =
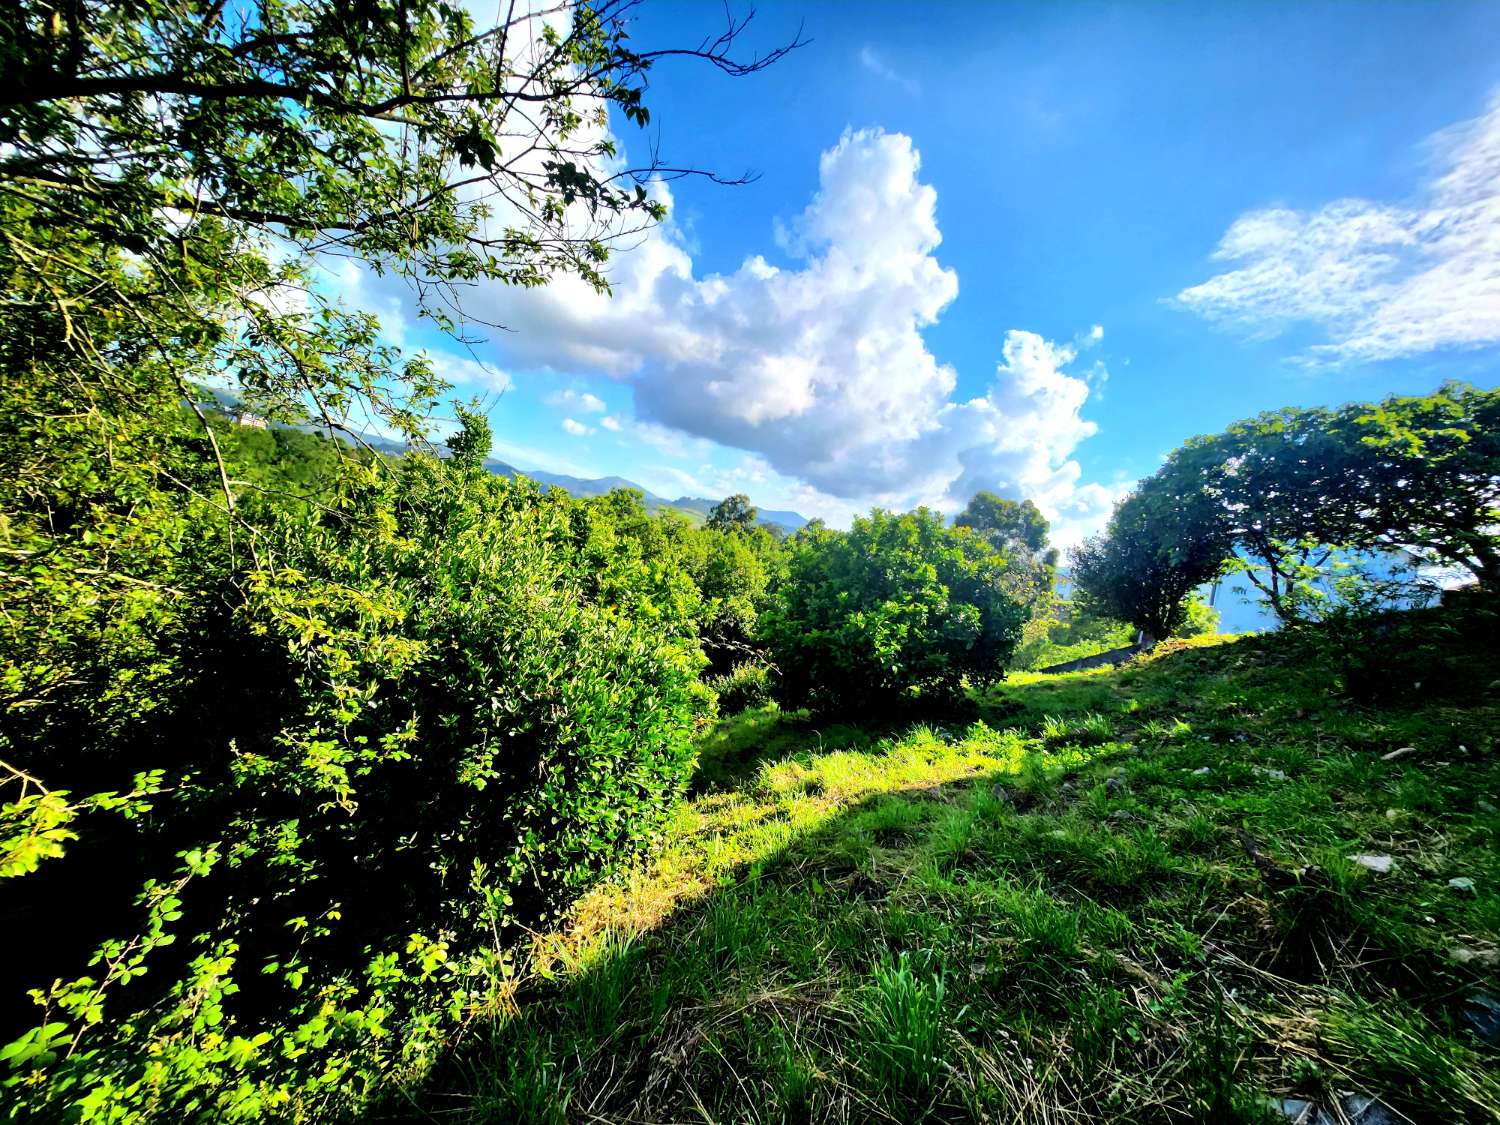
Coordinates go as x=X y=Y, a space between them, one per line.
x=1120 y=895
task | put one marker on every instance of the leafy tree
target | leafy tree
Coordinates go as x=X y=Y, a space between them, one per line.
x=1155 y=552
x=310 y=743
x=1299 y=493
x=1017 y=530
x=471 y=445
x=1008 y=525
x=733 y=513
x=897 y=608
x=1424 y=476
x=1278 y=482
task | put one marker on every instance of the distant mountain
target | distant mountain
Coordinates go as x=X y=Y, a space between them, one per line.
x=695 y=506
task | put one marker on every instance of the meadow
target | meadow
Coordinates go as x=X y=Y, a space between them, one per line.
x=1124 y=895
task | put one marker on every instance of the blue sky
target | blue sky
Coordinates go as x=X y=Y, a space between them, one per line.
x=981 y=249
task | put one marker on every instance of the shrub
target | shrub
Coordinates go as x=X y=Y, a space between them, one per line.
x=746 y=685
x=417 y=729
x=898 y=607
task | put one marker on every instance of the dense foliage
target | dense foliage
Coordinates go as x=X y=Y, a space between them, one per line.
x=294 y=733
x=898 y=607
x=1314 y=507
x=424 y=720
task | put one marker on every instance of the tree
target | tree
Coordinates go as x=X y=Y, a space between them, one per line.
x=733 y=513
x=471 y=445
x=1280 y=484
x=1008 y=525
x=1017 y=531
x=1424 y=476
x=1153 y=555
x=897 y=609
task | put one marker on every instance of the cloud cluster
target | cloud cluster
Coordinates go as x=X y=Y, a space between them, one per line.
x=820 y=369
x=1383 y=280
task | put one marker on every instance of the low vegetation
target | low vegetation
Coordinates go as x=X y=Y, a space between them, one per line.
x=1124 y=895
x=338 y=781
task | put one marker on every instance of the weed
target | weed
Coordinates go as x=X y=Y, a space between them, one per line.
x=902 y=1028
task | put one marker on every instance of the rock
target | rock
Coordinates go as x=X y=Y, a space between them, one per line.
x=1480 y=958
x=1002 y=794
x=1122 y=815
x=1380 y=864
x=1296 y=1110
x=1353 y=1109
x=1361 y=1109
x=1463 y=885
x=1397 y=755
x=1114 y=786
x=1482 y=1014
x=1274 y=775
x=1202 y=771
x=1067 y=790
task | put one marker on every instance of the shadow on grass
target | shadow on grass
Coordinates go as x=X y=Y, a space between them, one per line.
x=863 y=972
x=983 y=948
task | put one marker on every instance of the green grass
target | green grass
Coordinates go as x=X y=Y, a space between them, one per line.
x=1044 y=916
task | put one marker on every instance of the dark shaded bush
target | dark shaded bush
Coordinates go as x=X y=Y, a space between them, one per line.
x=453 y=733
x=744 y=686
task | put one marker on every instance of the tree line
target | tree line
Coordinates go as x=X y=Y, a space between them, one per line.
x=1299 y=500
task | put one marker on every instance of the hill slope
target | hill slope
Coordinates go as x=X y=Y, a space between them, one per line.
x=1119 y=895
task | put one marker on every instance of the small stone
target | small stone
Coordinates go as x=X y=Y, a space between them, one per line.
x=1361 y=1109
x=1482 y=1014
x=1067 y=790
x=1397 y=755
x=1380 y=864
x=1480 y=958
x=1122 y=815
x=1350 y=1109
x=1002 y=794
x=1114 y=786
x=1463 y=885
x=1296 y=1110
x=1274 y=775
x=1202 y=771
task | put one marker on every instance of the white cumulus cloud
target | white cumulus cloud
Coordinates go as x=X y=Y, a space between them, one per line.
x=575 y=427
x=818 y=367
x=1383 y=280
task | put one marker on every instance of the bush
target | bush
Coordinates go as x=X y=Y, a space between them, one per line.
x=897 y=608
x=746 y=685
x=417 y=729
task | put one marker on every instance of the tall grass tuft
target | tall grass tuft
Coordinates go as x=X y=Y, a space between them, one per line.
x=902 y=1028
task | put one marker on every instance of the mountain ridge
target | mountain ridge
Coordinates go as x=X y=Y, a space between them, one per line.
x=698 y=506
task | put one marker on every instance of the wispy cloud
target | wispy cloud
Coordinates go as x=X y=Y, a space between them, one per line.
x=577 y=400
x=875 y=63
x=1383 y=280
